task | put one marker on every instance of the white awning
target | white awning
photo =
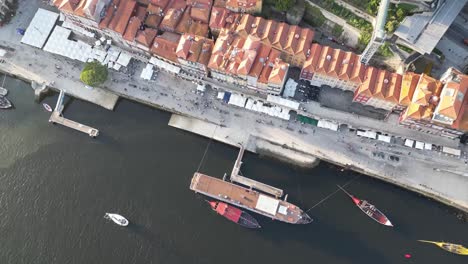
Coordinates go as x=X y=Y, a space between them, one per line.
x=327 y=124
x=267 y=204
x=367 y=134
x=164 y=65
x=124 y=59
x=59 y=43
x=384 y=138
x=40 y=27
x=409 y=143
x=419 y=145
x=452 y=151
x=201 y=88
x=237 y=100
x=427 y=146
x=283 y=102
x=147 y=72
x=220 y=95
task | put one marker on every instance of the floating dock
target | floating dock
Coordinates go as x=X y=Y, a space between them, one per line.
x=57 y=118
x=248 y=199
x=235 y=177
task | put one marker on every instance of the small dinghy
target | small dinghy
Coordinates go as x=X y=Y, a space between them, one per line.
x=118 y=219
x=47 y=107
x=3 y=91
x=4 y=103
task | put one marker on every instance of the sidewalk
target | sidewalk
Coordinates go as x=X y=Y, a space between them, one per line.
x=389 y=126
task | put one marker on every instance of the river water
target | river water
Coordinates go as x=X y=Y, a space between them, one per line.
x=56 y=184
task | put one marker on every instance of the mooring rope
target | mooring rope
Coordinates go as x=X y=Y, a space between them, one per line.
x=206 y=149
x=333 y=193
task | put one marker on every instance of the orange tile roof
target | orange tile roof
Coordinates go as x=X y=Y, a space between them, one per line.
x=334 y=63
x=427 y=88
x=165 y=45
x=222 y=18
x=171 y=19
x=67 y=5
x=195 y=48
x=247 y=56
x=381 y=84
x=146 y=37
x=293 y=40
x=110 y=12
x=200 y=11
x=408 y=86
x=220 y=3
x=122 y=16
x=453 y=96
x=160 y=3
x=132 y=28
x=242 y=3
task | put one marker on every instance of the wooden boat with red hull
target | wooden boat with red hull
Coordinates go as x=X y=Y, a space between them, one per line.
x=369 y=209
x=234 y=214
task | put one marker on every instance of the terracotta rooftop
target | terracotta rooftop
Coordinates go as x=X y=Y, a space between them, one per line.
x=222 y=18
x=146 y=37
x=238 y=55
x=381 y=84
x=165 y=46
x=408 y=85
x=424 y=98
x=195 y=48
x=335 y=63
x=172 y=18
x=200 y=10
x=160 y=3
x=241 y=3
x=122 y=16
x=132 y=28
x=453 y=96
x=290 y=39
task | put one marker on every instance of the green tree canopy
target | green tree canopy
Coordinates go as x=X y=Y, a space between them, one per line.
x=284 y=5
x=94 y=73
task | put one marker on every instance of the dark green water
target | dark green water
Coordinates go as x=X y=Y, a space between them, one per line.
x=56 y=184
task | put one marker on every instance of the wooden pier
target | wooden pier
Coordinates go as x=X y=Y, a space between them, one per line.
x=235 y=177
x=57 y=118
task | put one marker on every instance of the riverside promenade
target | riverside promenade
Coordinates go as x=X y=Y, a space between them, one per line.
x=442 y=177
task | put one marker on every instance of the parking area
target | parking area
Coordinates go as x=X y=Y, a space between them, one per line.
x=343 y=100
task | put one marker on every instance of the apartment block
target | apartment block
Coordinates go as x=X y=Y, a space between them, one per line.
x=248 y=63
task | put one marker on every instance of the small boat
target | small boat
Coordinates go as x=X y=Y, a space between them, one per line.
x=4 y=103
x=234 y=214
x=118 y=219
x=452 y=248
x=369 y=209
x=47 y=107
x=3 y=91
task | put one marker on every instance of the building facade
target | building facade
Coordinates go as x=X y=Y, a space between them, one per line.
x=333 y=67
x=193 y=54
x=439 y=106
x=247 y=63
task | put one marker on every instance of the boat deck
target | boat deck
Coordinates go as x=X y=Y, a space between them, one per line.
x=248 y=199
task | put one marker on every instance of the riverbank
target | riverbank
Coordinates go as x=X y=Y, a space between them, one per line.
x=417 y=170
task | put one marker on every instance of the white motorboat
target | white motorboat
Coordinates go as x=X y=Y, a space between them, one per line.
x=118 y=219
x=47 y=107
x=3 y=91
x=4 y=103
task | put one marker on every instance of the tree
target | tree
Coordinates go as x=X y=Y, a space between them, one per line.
x=400 y=14
x=94 y=73
x=391 y=26
x=283 y=5
x=337 y=30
